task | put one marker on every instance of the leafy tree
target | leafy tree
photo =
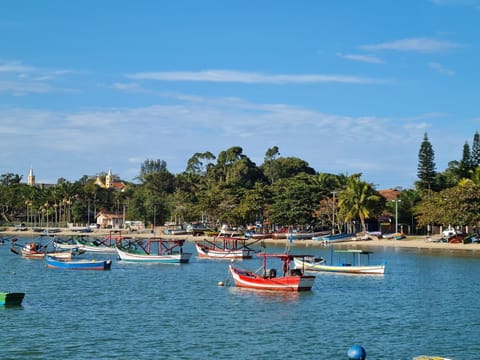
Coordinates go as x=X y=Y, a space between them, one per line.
x=199 y=163
x=150 y=167
x=253 y=204
x=450 y=177
x=295 y=201
x=244 y=173
x=456 y=206
x=475 y=175
x=283 y=168
x=272 y=153
x=426 y=165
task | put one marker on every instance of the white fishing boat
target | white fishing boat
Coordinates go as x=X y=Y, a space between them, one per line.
x=348 y=261
x=154 y=250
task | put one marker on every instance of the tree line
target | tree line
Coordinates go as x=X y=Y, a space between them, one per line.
x=230 y=188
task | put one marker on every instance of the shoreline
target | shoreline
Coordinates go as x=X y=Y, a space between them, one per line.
x=417 y=243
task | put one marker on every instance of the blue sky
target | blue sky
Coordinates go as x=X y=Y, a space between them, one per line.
x=348 y=86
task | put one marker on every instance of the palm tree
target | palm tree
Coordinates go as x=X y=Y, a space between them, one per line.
x=357 y=201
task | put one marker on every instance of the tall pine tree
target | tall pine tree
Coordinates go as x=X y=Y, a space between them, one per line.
x=466 y=163
x=475 y=155
x=426 y=165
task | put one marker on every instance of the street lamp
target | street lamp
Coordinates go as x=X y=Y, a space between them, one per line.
x=396 y=201
x=333 y=215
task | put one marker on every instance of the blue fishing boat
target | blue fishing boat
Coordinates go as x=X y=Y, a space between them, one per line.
x=82 y=264
x=329 y=239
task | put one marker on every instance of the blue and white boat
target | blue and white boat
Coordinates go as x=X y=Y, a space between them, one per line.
x=334 y=238
x=81 y=264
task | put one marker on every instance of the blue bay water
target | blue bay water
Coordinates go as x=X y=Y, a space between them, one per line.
x=426 y=303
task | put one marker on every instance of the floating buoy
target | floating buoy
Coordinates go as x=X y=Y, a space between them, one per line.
x=356 y=352
x=220 y=283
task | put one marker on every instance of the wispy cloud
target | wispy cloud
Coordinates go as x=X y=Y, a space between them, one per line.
x=231 y=76
x=19 y=69
x=362 y=58
x=18 y=79
x=15 y=67
x=441 y=69
x=23 y=88
x=419 y=45
x=129 y=87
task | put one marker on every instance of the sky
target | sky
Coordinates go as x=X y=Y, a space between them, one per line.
x=348 y=86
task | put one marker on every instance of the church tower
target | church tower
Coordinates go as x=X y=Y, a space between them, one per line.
x=109 y=180
x=31 y=178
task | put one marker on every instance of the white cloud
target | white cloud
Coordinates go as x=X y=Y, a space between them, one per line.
x=118 y=138
x=232 y=76
x=128 y=87
x=441 y=69
x=18 y=88
x=362 y=58
x=420 y=45
x=17 y=79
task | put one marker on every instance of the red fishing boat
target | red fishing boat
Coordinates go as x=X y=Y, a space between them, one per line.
x=269 y=279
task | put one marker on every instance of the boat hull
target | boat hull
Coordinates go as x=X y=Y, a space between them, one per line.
x=55 y=263
x=175 y=258
x=250 y=280
x=98 y=249
x=36 y=255
x=11 y=299
x=219 y=253
x=347 y=269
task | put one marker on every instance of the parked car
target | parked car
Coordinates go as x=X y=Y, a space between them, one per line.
x=448 y=233
x=21 y=227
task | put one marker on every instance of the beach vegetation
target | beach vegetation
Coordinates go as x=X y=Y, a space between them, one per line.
x=230 y=188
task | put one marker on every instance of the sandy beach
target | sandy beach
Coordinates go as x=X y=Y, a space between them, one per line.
x=414 y=243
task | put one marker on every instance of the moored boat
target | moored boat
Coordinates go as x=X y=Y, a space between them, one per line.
x=11 y=299
x=224 y=248
x=6 y=239
x=336 y=238
x=154 y=250
x=37 y=250
x=100 y=245
x=290 y=280
x=296 y=235
x=353 y=265
x=82 y=264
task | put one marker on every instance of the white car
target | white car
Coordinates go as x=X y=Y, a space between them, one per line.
x=449 y=232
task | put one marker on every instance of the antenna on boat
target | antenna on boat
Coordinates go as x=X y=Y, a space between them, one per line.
x=289 y=239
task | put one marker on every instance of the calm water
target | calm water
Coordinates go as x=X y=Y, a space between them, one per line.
x=424 y=304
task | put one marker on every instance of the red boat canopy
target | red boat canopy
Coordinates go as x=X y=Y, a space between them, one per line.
x=283 y=256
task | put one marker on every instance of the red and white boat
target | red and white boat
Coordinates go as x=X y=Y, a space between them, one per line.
x=291 y=279
x=227 y=248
